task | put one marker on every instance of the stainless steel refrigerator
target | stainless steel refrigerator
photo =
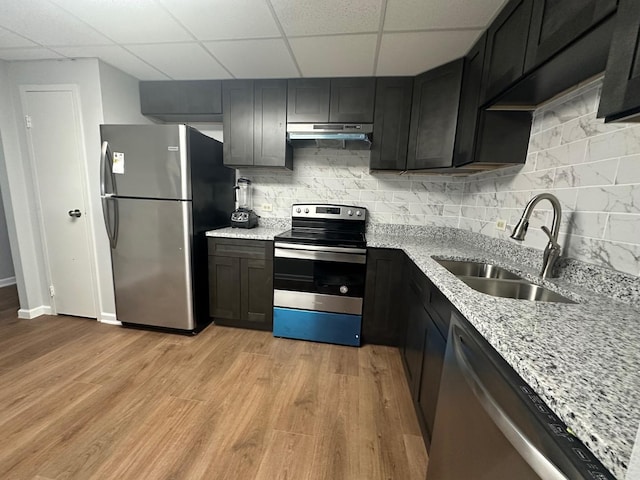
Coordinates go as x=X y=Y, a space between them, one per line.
x=162 y=187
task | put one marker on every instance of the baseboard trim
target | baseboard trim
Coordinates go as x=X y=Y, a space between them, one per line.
x=109 y=319
x=5 y=282
x=28 y=314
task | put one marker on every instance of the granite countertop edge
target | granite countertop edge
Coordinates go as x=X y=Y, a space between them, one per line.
x=550 y=345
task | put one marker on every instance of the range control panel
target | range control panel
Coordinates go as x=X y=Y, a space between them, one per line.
x=331 y=212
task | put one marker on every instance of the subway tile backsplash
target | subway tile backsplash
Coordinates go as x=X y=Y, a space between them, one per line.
x=593 y=168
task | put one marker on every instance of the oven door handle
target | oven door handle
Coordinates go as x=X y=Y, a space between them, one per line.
x=299 y=246
x=326 y=256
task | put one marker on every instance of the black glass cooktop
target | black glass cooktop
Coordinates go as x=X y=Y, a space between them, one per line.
x=323 y=237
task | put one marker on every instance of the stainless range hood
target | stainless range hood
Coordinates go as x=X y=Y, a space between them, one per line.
x=355 y=136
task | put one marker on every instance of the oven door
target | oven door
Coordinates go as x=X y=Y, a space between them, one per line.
x=318 y=292
x=321 y=272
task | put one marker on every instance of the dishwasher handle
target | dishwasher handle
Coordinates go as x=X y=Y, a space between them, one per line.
x=538 y=462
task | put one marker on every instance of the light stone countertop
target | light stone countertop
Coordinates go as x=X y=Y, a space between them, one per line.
x=582 y=359
x=257 y=233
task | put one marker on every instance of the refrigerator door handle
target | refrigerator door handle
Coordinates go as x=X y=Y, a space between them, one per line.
x=112 y=234
x=106 y=160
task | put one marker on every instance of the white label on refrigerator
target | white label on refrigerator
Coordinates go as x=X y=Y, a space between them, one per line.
x=173 y=149
x=118 y=163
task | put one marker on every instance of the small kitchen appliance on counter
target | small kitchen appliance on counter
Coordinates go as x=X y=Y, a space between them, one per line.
x=244 y=216
x=319 y=269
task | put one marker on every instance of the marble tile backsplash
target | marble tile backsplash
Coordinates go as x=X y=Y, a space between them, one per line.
x=593 y=168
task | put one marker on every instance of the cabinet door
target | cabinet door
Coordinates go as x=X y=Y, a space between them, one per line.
x=555 y=24
x=352 y=100
x=434 y=116
x=180 y=97
x=391 y=122
x=270 y=123
x=382 y=315
x=621 y=89
x=256 y=300
x=308 y=100
x=238 y=122
x=469 y=104
x=432 y=361
x=417 y=320
x=506 y=48
x=224 y=287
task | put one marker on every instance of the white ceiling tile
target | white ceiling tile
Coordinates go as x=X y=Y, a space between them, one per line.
x=415 y=52
x=224 y=20
x=321 y=17
x=116 y=56
x=424 y=14
x=255 y=58
x=181 y=61
x=9 y=40
x=38 y=53
x=341 y=55
x=127 y=21
x=47 y=24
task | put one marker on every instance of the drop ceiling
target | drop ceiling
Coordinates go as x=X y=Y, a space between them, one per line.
x=217 y=39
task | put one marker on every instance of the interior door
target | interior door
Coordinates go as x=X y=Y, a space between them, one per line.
x=53 y=133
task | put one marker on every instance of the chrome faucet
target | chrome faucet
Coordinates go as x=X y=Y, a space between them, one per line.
x=553 y=249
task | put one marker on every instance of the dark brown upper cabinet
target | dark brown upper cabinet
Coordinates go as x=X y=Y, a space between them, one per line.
x=308 y=100
x=620 y=100
x=506 y=48
x=391 y=122
x=557 y=23
x=339 y=100
x=182 y=100
x=434 y=116
x=254 y=124
x=352 y=99
x=469 y=104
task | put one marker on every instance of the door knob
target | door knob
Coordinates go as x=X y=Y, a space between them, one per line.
x=75 y=213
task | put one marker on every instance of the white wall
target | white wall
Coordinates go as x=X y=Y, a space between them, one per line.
x=7 y=274
x=120 y=96
x=17 y=198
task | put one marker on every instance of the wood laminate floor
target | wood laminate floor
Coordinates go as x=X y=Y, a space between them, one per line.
x=83 y=400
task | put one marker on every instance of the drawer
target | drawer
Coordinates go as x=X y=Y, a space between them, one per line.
x=236 y=247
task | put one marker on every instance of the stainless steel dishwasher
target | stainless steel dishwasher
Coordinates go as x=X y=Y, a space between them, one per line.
x=490 y=425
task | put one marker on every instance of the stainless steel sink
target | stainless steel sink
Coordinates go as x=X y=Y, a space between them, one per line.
x=498 y=282
x=477 y=269
x=518 y=289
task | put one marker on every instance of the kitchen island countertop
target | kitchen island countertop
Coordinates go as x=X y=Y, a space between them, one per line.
x=583 y=359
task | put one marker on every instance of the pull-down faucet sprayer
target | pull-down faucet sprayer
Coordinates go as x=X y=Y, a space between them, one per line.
x=553 y=249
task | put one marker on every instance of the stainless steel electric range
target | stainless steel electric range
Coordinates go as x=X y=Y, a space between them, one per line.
x=319 y=274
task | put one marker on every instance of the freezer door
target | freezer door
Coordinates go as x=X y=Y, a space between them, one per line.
x=146 y=161
x=151 y=256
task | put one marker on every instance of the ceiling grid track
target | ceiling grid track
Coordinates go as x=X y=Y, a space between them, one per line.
x=383 y=14
x=284 y=36
x=196 y=39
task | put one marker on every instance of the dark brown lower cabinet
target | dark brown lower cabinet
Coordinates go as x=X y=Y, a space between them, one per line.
x=241 y=283
x=383 y=316
x=424 y=345
x=432 y=361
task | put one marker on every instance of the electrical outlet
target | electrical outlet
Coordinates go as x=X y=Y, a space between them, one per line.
x=267 y=207
x=501 y=224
